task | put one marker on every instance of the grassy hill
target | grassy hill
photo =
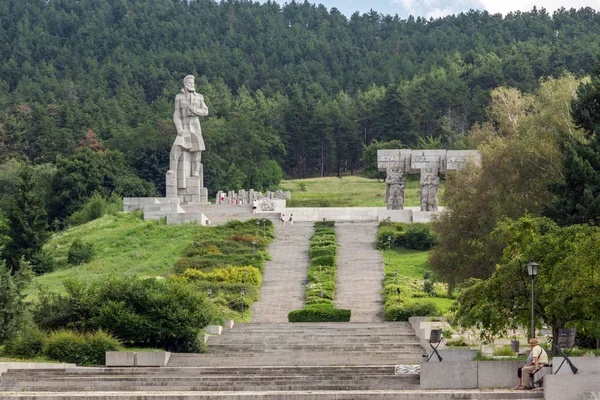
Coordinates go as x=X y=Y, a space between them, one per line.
x=125 y=245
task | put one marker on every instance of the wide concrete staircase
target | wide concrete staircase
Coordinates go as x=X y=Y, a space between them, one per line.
x=309 y=344
x=285 y=275
x=273 y=359
x=360 y=272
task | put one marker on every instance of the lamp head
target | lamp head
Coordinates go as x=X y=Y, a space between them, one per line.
x=532 y=268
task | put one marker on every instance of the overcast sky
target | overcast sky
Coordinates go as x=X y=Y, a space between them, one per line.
x=441 y=8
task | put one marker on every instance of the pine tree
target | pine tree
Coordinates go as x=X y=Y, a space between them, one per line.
x=27 y=221
x=578 y=198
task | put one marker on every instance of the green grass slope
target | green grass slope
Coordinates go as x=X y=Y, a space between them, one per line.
x=411 y=266
x=125 y=245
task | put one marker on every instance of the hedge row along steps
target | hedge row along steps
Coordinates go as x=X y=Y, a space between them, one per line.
x=320 y=290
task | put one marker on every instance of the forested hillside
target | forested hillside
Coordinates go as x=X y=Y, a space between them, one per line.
x=294 y=89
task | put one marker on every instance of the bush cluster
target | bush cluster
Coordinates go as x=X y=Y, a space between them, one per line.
x=411 y=236
x=319 y=313
x=168 y=314
x=95 y=208
x=228 y=274
x=80 y=252
x=64 y=346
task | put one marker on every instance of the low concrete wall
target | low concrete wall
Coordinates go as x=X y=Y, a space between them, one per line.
x=5 y=366
x=497 y=374
x=454 y=375
x=585 y=366
x=570 y=387
x=137 y=359
x=338 y=214
x=469 y=374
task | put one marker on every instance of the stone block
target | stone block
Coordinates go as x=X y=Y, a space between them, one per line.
x=497 y=374
x=570 y=387
x=229 y=323
x=451 y=375
x=120 y=359
x=214 y=329
x=422 y=216
x=405 y=216
x=152 y=359
x=585 y=366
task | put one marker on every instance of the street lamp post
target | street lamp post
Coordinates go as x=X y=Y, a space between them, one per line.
x=532 y=270
x=264 y=228
x=389 y=250
x=257 y=225
x=209 y=291
x=243 y=292
x=253 y=246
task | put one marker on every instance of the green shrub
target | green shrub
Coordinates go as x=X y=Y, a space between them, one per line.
x=319 y=313
x=323 y=260
x=73 y=347
x=29 y=344
x=394 y=231
x=65 y=346
x=419 y=237
x=42 y=263
x=80 y=252
x=228 y=274
x=167 y=314
x=403 y=311
x=318 y=251
x=326 y=224
x=96 y=346
x=95 y=208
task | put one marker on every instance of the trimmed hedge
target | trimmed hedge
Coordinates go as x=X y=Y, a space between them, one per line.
x=403 y=311
x=73 y=347
x=320 y=290
x=324 y=224
x=319 y=313
x=412 y=236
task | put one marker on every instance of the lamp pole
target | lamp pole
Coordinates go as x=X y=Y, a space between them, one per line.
x=253 y=245
x=257 y=224
x=209 y=291
x=532 y=270
x=243 y=292
x=389 y=250
x=264 y=228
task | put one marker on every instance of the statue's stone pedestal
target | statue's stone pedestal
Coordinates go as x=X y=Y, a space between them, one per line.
x=405 y=216
x=193 y=192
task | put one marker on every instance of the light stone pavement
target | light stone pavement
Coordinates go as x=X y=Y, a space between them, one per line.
x=360 y=272
x=285 y=275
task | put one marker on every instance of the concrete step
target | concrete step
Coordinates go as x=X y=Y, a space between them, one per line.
x=284 y=395
x=360 y=272
x=285 y=275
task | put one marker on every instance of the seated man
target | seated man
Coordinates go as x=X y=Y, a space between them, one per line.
x=537 y=359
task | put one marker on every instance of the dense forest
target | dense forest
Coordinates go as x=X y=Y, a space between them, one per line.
x=295 y=90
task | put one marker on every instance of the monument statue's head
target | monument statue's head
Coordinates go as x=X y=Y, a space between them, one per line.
x=189 y=83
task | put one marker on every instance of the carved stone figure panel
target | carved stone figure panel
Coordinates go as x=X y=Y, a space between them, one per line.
x=430 y=183
x=395 y=184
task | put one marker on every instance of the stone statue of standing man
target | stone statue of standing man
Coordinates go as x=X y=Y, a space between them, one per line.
x=185 y=176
